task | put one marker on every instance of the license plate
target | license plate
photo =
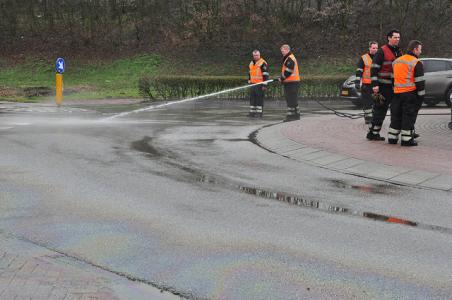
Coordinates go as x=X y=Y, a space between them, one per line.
x=344 y=93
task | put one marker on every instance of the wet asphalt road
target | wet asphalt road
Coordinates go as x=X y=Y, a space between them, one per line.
x=169 y=197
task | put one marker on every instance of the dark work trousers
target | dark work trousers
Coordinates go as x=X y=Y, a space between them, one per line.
x=366 y=100
x=291 y=95
x=257 y=98
x=380 y=110
x=404 y=110
x=420 y=101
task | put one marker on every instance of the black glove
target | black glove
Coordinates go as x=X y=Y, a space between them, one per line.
x=357 y=86
x=378 y=98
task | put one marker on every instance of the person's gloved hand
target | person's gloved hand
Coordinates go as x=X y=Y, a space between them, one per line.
x=357 y=86
x=378 y=98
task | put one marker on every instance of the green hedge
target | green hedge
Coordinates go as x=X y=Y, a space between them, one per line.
x=180 y=87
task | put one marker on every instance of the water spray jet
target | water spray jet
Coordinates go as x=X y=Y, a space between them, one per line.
x=183 y=100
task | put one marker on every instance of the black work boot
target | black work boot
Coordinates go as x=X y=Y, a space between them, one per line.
x=292 y=118
x=408 y=138
x=415 y=135
x=392 y=141
x=411 y=142
x=374 y=136
x=393 y=135
x=374 y=133
x=251 y=114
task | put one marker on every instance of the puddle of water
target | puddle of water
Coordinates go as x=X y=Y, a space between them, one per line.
x=207 y=179
x=388 y=219
x=291 y=199
x=325 y=207
x=301 y=202
x=199 y=177
x=236 y=140
x=205 y=140
x=382 y=189
x=144 y=146
x=227 y=140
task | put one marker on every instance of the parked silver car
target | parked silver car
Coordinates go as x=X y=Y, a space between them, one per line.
x=438 y=83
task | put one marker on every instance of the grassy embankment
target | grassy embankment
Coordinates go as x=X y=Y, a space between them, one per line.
x=29 y=79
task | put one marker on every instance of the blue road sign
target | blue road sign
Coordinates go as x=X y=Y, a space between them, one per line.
x=60 y=65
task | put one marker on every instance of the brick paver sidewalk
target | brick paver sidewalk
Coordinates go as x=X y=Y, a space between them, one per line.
x=341 y=144
x=28 y=271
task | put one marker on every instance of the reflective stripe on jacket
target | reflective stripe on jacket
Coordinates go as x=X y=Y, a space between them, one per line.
x=385 y=74
x=295 y=76
x=404 y=80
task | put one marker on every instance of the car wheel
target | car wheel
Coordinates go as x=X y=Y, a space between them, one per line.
x=449 y=97
x=430 y=102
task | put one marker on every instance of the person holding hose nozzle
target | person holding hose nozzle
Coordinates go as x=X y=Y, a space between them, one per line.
x=363 y=80
x=290 y=79
x=258 y=72
x=409 y=91
x=382 y=82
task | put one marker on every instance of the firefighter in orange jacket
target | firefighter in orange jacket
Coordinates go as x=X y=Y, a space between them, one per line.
x=290 y=78
x=363 y=80
x=382 y=82
x=258 y=72
x=409 y=91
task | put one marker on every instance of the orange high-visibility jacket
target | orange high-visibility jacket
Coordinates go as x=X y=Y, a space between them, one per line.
x=295 y=74
x=404 y=73
x=366 y=70
x=256 y=74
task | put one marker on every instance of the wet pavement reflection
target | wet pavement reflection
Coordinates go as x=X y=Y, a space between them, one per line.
x=194 y=175
x=382 y=189
x=325 y=207
x=144 y=145
x=143 y=256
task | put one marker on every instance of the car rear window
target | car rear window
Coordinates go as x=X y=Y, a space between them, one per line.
x=436 y=65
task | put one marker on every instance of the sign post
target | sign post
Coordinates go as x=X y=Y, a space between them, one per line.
x=59 y=67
